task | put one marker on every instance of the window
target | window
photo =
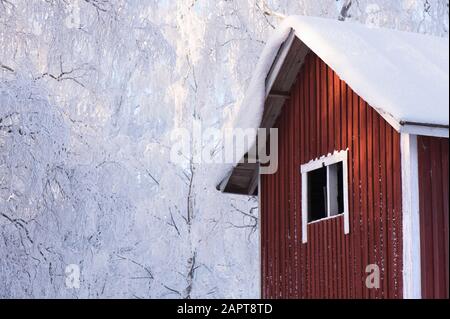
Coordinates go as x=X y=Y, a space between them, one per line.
x=325 y=190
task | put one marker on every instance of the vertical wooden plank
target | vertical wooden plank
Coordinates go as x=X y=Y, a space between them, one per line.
x=325 y=150
x=318 y=261
x=344 y=116
x=305 y=111
x=370 y=197
x=444 y=194
x=306 y=114
x=297 y=190
x=281 y=231
x=337 y=250
x=269 y=239
x=324 y=108
x=313 y=266
x=270 y=230
x=342 y=254
x=268 y=258
x=276 y=227
x=282 y=212
x=330 y=106
x=266 y=198
x=345 y=145
x=266 y=237
x=293 y=208
x=312 y=116
x=389 y=201
x=397 y=218
x=425 y=217
x=383 y=219
x=318 y=107
x=437 y=216
x=329 y=257
x=321 y=241
x=337 y=113
x=327 y=260
x=333 y=257
x=338 y=128
x=275 y=234
x=299 y=145
x=291 y=261
x=271 y=234
x=357 y=199
x=262 y=225
x=280 y=251
x=363 y=191
x=376 y=196
x=324 y=134
x=334 y=269
x=262 y=238
x=307 y=248
x=289 y=180
x=351 y=185
x=288 y=261
x=328 y=283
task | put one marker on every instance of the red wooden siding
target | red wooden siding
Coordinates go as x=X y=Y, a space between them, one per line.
x=323 y=115
x=433 y=191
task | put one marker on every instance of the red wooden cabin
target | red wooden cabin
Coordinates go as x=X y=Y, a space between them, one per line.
x=357 y=186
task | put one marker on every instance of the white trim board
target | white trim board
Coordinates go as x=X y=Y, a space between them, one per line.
x=412 y=285
x=331 y=159
x=424 y=130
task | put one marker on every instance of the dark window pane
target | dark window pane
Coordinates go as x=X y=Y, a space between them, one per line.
x=317 y=194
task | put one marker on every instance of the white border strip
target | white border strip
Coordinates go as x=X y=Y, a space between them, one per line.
x=412 y=285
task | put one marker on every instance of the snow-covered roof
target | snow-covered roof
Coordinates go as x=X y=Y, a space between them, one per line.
x=405 y=76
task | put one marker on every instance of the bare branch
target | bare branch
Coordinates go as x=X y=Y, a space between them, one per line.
x=172 y=223
x=190 y=275
x=269 y=12
x=146 y=269
x=7 y=68
x=172 y=290
x=19 y=224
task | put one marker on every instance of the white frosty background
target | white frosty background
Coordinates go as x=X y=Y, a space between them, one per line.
x=90 y=92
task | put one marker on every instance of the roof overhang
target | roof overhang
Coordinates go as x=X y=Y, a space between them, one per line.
x=243 y=178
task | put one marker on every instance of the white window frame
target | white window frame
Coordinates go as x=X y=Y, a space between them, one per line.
x=325 y=161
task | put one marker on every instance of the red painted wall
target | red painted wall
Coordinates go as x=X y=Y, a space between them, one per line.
x=323 y=115
x=433 y=191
